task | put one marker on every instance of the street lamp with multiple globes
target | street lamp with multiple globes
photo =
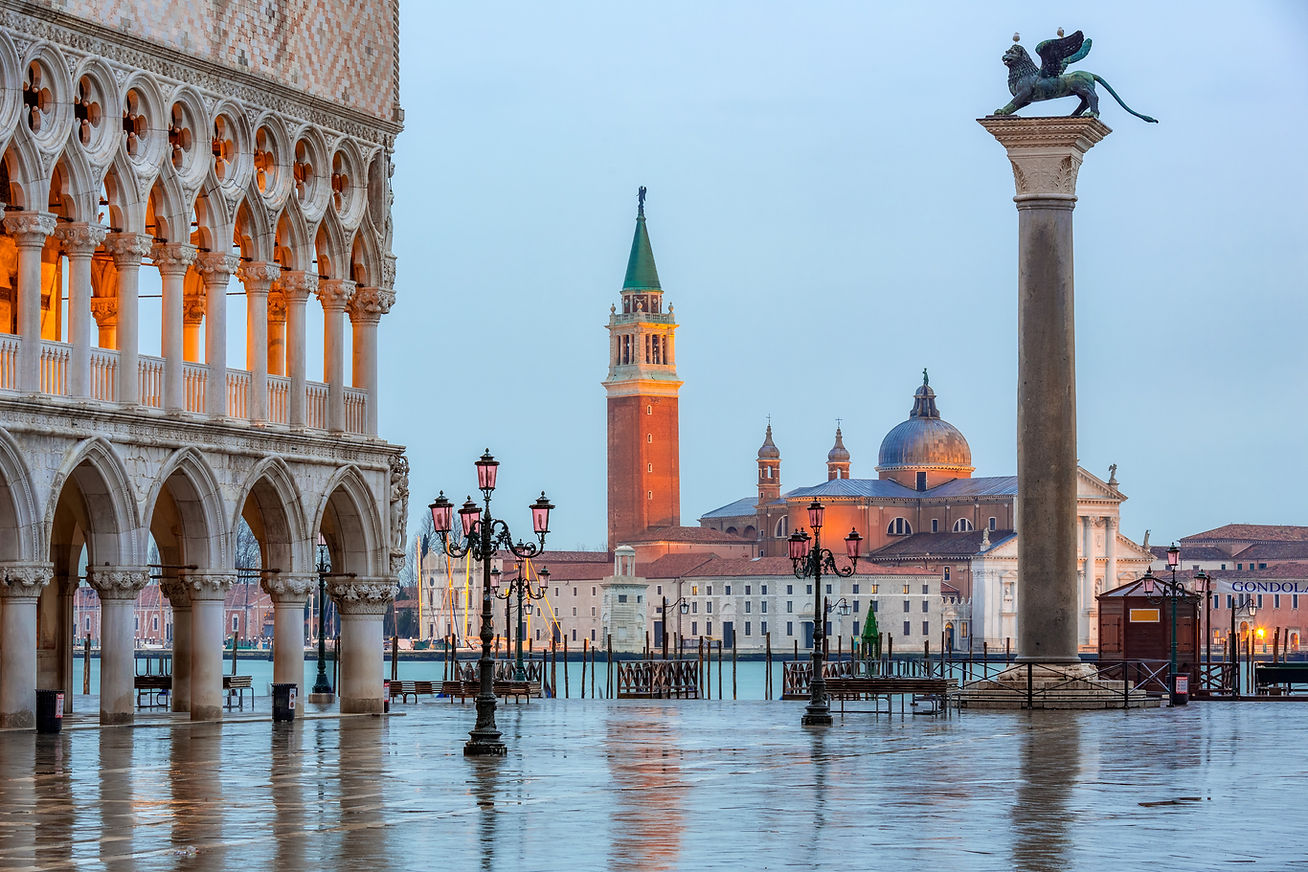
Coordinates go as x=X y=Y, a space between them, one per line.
x=810 y=562
x=482 y=537
x=520 y=585
x=685 y=610
x=1207 y=581
x=1169 y=591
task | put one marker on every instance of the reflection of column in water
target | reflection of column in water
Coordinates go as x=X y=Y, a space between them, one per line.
x=195 y=779
x=116 y=809
x=17 y=803
x=1050 y=765
x=644 y=757
x=54 y=825
x=360 y=761
x=286 y=772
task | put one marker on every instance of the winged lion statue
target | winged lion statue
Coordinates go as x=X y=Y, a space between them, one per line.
x=1049 y=81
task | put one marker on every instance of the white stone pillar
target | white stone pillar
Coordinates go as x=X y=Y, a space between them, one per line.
x=29 y=230
x=128 y=249
x=1087 y=593
x=258 y=278
x=194 y=302
x=296 y=286
x=216 y=269
x=276 y=331
x=208 y=592
x=79 y=242
x=173 y=260
x=1045 y=154
x=117 y=587
x=179 y=597
x=366 y=308
x=361 y=604
x=334 y=294
x=1110 y=553
x=289 y=593
x=105 y=312
x=22 y=587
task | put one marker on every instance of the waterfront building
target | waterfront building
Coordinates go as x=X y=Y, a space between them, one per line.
x=217 y=176
x=1239 y=547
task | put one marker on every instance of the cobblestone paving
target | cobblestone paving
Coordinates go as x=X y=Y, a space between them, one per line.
x=694 y=785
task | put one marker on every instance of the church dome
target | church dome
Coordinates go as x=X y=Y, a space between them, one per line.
x=769 y=451
x=925 y=441
x=838 y=453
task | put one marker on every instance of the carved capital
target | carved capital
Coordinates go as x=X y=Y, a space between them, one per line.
x=29 y=229
x=362 y=596
x=297 y=285
x=128 y=248
x=335 y=294
x=80 y=239
x=276 y=307
x=292 y=589
x=26 y=580
x=1046 y=153
x=105 y=310
x=179 y=595
x=117 y=582
x=369 y=304
x=388 y=270
x=173 y=258
x=193 y=306
x=206 y=586
x=216 y=267
x=258 y=276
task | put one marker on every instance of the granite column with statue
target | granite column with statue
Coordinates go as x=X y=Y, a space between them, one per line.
x=1046 y=154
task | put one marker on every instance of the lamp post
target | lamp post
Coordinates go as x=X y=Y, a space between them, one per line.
x=321 y=685
x=482 y=536
x=809 y=562
x=1244 y=609
x=1207 y=581
x=1177 y=695
x=522 y=587
x=685 y=610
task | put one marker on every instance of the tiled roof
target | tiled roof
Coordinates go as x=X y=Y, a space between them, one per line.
x=739 y=508
x=686 y=534
x=1252 y=533
x=565 y=572
x=1191 y=552
x=550 y=556
x=998 y=485
x=1280 y=570
x=1273 y=550
x=939 y=545
x=674 y=565
x=855 y=487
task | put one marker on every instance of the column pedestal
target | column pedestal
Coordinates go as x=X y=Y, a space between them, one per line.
x=117 y=587
x=208 y=592
x=361 y=604
x=21 y=590
x=289 y=593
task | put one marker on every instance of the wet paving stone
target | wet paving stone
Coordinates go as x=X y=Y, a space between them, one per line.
x=681 y=785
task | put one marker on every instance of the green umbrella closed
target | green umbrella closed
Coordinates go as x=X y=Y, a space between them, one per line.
x=871 y=633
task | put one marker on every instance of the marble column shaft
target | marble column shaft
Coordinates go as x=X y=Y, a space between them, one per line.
x=173 y=260
x=208 y=593
x=288 y=593
x=1046 y=154
x=79 y=243
x=276 y=331
x=366 y=308
x=23 y=583
x=296 y=287
x=334 y=294
x=117 y=587
x=128 y=249
x=361 y=604
x=1110 y=553
x=216 y=269
x=29 y=231
x=179 y=598
x=258 y=278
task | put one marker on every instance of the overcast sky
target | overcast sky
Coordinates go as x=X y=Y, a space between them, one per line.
x=828 y=218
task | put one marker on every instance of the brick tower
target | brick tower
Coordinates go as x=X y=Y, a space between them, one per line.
x=644 y=470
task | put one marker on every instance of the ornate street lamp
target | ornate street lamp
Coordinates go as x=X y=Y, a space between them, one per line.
x=1206 y=580
x=522 y=587
x=482 y=536
x=810 y=563
x=1156 y=591
x=321 y=685
x=685 y=610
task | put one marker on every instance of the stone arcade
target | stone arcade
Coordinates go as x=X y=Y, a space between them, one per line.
x=238 y=154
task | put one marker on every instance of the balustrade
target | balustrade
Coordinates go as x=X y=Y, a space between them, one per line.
x=9 y=362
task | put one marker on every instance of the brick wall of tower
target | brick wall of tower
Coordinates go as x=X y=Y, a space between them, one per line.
x=644 y=473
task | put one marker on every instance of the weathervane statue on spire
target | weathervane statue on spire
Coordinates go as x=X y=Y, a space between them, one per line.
x=1030 y=84
x=640 y=201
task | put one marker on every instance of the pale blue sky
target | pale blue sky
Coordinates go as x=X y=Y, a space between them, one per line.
x=828 y=218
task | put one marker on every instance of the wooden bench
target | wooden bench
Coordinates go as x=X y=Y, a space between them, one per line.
x=1277 y=679
x=932 y=690
x=234 y=687
x=517 y=690
x=154 y=689
x=406 y=689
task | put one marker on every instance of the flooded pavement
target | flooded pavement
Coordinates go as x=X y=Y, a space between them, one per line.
x=651 y=786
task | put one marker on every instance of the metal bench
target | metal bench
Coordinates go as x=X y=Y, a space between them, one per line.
x=154 y=689
x=931 y=690
x=516 y=690
x=406 y=689
x=1279 y=679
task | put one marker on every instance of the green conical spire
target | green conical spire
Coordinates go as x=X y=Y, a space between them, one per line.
x=642 y=275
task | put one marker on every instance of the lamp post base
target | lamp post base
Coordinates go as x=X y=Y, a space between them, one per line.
x=485 y=746
x=816 y=717
x=322 y=698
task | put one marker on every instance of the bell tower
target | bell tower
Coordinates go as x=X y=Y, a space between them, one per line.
x=642 y=386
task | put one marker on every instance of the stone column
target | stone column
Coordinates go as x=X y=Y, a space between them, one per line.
x=29 y=230
x=216 y=269
x=366 y=308
x=179 y=597
x=289 y=593
x=105 y=312
x=334 y=294
x=194 y=301
x=361 y=604
x=258 y=278
x=1045 y=154
x=117 y=587
x=1087 y=592
x=1110 y=553
x=127 y=250
x=296 y=286
x=22 y=587
x=276 y=331
x=79 y=242
x=208 y=592
x=173 y=260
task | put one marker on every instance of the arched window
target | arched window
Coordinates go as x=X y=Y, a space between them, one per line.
x=899 y=527
x=732 y=530
x=962 y=525
x=783 y=528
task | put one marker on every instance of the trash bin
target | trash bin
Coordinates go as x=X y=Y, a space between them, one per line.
x=386 y=695
x=49 y=711
x=283 y=702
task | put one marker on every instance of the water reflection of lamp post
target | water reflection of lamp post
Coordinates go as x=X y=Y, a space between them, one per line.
x=522 y=587
x=482 y=537
x=809 y=563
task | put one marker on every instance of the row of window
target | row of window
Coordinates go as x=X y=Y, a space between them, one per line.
x=790 y=629
x=1276 y=601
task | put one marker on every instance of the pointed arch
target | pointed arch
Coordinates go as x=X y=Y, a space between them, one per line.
x=331 y=249
x=28 y=185
x=75 y=187
x=294 y=250
x=348 y=519
x=169 y=210
x=194 y=497
x=20 y=532
x=112 y=520
x=271 y=492
x=215 y=220
x=127 y=202
x=365 y=260
x=254 y=233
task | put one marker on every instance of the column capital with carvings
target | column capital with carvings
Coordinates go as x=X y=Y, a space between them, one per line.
x=288 y=589
x=179 y=595
x=369 y=304
x=1045 y=153
x=105 y=310
x=128 y=249
x=258 y=276
x=276 y=306
x=216 y=266
x=173 y=258
x=29 y=229
x=297 y=285
x=335 y=294
x=25 y=580
x=193 y=305
x=205 y=585
x=362 y=596
x=80 y=239
x=117 y=582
